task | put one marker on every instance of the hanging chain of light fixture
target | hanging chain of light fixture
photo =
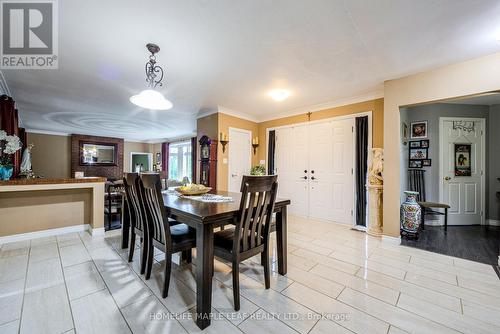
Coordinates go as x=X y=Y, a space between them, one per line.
x=154 y=72
x=467 y=126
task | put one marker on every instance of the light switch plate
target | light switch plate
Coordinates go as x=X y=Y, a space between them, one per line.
x=224 y=161
x=262 y=162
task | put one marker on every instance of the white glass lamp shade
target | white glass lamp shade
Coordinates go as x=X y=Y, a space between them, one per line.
x=151 y=99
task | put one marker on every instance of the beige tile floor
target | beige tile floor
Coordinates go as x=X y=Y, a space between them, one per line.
x=339 y=281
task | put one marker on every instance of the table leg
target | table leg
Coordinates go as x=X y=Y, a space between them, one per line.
x=281 y=238
x=446 y=219
x=204 y=261
x=125 y=223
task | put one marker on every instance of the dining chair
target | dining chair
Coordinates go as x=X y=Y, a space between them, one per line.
x=250 y=236
x=131 y=185
x=168 y=238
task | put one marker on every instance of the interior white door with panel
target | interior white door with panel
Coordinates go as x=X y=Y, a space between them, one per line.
x=331 y=185
x=291 y=163
x=239 y=157
x=465 y=194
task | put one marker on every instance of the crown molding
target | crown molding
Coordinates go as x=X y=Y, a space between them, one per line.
x=239 y=114
x=45 y=132
x=372 y=95
x=4 y=88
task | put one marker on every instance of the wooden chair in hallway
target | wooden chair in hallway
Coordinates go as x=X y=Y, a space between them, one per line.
x=137 y=225
x=168 y=238
x=416 y=183
x=251 y=234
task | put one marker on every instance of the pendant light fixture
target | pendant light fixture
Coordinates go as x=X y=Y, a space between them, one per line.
x=151 y=98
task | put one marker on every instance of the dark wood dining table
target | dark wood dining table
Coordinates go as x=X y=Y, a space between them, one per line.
x=205 y=217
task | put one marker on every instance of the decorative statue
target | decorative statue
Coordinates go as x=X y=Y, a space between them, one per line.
x=376 y=168
x=375 y=187
x=26 y=161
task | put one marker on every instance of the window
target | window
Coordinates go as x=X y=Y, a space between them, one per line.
x=180 y=161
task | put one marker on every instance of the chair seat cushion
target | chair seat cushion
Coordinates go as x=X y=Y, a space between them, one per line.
x=433 y=205
x=182 y=234
x=224 y=239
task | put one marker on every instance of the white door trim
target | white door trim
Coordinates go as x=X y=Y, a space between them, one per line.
x=368 y=113
x=249 y=133
x=483 y=160
x=150 y=159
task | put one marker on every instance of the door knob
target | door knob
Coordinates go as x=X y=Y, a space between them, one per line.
x=305 y=170
x=312 y=171
x=313 y=178
x=305 y=177
x=234 y=175
x=447 y=178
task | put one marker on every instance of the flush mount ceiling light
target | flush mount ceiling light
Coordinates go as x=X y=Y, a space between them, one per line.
x=279 y=94
x=151 y=98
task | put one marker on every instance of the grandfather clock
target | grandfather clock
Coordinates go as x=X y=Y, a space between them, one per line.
x=208 y=162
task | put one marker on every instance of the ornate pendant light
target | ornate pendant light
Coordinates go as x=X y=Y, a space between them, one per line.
x=151 y=98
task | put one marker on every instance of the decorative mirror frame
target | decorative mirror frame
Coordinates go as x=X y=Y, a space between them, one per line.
x=110 y=164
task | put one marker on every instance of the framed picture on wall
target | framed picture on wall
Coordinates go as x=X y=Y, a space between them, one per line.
x=418 y=130
x=415 y=143
x=462 y=160
x=404 y=133
x=415 y=164
x=418 y=153
x=426 y=162
x=424 y=143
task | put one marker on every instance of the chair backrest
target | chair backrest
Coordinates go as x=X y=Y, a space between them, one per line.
x=154 y=209
x=416 y=183
x=258 y=195
x=131 y=185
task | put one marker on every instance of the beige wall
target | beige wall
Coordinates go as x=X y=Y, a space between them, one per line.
x=225 y=122
x=376 y=106
x=51 y=156
x=467 y=78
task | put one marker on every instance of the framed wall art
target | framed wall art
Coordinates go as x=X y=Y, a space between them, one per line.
x=462 y=160
x=418 y=153
x=418 y=130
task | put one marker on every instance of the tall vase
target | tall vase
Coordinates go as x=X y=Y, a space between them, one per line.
x=410 y=215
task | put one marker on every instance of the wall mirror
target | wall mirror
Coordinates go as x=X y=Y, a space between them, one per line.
x=98 y=154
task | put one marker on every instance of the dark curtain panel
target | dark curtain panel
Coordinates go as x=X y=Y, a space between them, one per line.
x=9 y=122
x=194 y=156
x=361 y=168
x=164 y=158
x=271 y=150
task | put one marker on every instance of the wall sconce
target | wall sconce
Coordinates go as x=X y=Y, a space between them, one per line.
x=255 y=144
x=224 y=140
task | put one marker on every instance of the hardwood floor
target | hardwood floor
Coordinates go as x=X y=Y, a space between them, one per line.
x=476 y=243
x=338 y=281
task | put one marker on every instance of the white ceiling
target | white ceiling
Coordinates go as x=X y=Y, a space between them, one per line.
x=230 y=53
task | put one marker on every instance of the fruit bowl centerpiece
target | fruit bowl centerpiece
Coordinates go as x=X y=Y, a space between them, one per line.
x=193 y=189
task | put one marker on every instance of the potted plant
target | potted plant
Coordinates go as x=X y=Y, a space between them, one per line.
x=258 y=170
x=8 y=146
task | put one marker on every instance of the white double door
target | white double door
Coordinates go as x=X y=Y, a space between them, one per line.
x=464 y=194
x=314 y=163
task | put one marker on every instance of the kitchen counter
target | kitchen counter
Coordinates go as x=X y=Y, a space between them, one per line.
x=36 y=207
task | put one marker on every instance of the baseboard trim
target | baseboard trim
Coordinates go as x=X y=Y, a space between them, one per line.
x=45 y=233
x=96 y=231
x=493 y=222
x=391 y=240
x=436 y=222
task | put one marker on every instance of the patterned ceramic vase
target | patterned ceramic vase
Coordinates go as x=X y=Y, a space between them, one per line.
x=6 y=172
x=410 y=215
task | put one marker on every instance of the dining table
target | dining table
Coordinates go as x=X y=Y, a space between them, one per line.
x=204 y=217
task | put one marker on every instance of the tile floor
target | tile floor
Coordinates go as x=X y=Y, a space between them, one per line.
x=339 y=281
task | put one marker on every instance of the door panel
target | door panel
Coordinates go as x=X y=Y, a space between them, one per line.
x=463 y=193
x=239 y=156
x=291 y=162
